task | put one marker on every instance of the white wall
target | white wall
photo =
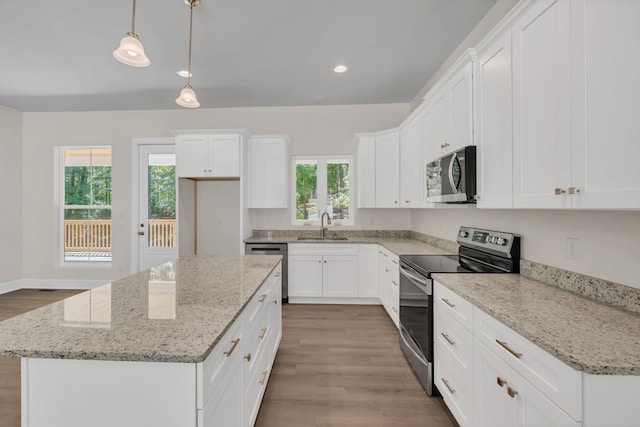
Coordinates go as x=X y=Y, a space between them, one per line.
x=11 y=195
x=607 y=240
x=314 y=130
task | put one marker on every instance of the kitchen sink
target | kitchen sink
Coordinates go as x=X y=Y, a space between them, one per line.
x=322 y=238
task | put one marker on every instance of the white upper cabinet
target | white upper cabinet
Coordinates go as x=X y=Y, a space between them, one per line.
x=366 y=171
x=542 y=105
x=208 y=155
x=411 y=165
x=379 y=169
x=268 y=171
x=606 y=129
x=451 y=110
x=493 y=123
x=388 y=170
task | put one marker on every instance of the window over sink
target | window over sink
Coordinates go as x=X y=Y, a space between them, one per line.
x=322 y=183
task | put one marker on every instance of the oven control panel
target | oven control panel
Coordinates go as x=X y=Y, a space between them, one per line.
x=496 y=241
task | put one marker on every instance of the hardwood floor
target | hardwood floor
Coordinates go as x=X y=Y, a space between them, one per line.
x=338 y=365
x=341 y=365
x=12 y=304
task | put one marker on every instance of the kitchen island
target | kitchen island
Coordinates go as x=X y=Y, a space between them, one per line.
x=187 y=343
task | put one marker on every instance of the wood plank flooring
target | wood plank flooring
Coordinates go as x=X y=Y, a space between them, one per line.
x=338 y=365
x=341 y=365
x=12 y=304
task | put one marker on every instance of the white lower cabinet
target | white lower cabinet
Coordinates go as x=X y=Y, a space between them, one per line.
x=368 y=286
x=323 y=270
x=233 y=379
x=389 y=276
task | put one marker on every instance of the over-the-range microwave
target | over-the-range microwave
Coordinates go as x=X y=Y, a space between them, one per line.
x=452 y=178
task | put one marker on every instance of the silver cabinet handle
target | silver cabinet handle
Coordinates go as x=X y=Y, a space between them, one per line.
x=574 y=190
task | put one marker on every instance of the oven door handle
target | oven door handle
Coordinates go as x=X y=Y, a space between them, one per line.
x=416 y=279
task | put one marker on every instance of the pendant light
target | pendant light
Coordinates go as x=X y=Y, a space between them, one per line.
x=187 y=96
x=131 y=51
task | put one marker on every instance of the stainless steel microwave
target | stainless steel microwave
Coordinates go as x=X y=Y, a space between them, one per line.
x=452 y=178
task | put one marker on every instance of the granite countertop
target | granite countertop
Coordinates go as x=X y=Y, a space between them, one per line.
x=397 y=245
x=175 y=312
x=589 y=336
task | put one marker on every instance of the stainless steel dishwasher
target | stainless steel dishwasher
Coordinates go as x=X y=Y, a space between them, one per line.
x=272 y=249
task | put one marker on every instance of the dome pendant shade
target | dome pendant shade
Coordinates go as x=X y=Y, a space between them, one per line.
x=131 y=52
x=187 y=98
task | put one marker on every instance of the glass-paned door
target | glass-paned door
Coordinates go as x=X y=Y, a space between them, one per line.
x=157 y=228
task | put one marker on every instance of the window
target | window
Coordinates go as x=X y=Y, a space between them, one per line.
x=322 y=184
x=86 y=204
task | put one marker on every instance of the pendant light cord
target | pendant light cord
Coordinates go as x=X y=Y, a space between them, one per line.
x=133 y=18
x=190 y=36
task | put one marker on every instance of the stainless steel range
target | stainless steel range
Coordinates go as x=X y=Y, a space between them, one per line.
x=480 y=251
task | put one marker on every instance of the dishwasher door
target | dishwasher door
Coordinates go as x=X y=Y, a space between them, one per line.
x=273 y=249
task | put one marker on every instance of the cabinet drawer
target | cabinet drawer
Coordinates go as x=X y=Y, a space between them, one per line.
x=255 y=388
x=388 y=255
x=455 y=341
x=225 y=352
x=258 y=304
x=555 y=379
x=256 y=341
x=452 y=303
x=456 y=392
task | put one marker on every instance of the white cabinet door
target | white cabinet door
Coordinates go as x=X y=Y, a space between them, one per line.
x=533 y=409
x=491 y=377
x=387 y=170
x=367 y=172
x=429 y=151
x=192 y=156
x=368 y=271
x=340 y=276
x=268 y=172
x=305 y=275
x=542 y=105
x=494 y=125
x=411 y=166
x=224 y=155
x=606 y=130
x=461 y=109
x=441 y=132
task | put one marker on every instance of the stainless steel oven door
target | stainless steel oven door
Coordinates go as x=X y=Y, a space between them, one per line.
x=416 y=320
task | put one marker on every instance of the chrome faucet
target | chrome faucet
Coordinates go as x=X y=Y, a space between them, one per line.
x=322 y=227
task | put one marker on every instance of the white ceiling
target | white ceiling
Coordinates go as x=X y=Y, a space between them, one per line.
x=57 y=54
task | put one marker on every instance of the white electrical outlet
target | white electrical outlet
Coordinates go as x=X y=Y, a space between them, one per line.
x=572 y=248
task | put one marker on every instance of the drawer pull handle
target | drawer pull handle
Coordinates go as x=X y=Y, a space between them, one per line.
x=511 y=392
x=277 y=274
x=262 y=298
x=394 y=261
x=248 y=357
x=263 y=333
x=264 y=377
x=446 y=383
x=275 y=301
x=234 y=343
x=446 y=337
x=504 y=345
x=501 y=381
x=394 y=283
x=383 y=254
x=394 y=309
x=449 y=303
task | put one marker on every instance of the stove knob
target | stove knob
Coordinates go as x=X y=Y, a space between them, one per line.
x=504 y=242
x=463 y=233
x=492 y=239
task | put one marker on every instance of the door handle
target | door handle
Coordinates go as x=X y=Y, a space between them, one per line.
x=140 y=233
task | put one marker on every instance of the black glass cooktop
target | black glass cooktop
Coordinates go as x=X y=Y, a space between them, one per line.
x=427 y=264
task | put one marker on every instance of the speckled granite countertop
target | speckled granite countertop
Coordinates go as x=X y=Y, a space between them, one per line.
x=175 y=312
x=589 y=336
x=397 y=245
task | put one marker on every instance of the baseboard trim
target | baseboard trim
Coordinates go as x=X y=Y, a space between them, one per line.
x=334 y=300
x=50 y=284
x=14 y=285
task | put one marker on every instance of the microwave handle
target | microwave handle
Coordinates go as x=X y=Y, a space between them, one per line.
x=452 y=161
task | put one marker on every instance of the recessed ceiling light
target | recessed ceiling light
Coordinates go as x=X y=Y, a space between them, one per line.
x=340 y=68
x=184 y=73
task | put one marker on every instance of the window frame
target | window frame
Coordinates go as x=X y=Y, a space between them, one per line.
x=321 y=188
x=59 y=180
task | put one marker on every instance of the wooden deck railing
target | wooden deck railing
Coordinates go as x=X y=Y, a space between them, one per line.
x=95 y=235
